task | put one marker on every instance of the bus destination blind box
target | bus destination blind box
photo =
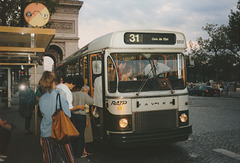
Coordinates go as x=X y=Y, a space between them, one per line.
x=150 y=38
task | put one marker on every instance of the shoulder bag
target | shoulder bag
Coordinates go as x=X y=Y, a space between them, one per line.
x=62 y=128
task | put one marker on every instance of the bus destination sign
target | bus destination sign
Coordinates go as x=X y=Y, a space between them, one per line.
x=150 y=38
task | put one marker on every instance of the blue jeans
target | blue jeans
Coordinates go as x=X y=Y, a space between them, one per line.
x=79 y=121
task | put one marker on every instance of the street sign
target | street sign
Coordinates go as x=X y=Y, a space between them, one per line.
x=36 y=14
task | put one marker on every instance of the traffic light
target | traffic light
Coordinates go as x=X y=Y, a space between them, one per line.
x=22 y=74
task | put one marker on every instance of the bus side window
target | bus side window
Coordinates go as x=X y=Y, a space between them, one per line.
x=86 y=70
x=81 y=67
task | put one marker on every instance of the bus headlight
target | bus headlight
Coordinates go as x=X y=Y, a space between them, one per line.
x=123 y=123
x=183 y=117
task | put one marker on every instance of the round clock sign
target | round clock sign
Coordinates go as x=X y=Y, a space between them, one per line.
x=36 y=14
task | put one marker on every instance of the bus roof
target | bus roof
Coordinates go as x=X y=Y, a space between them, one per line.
x=149 y=39
x=139 y=39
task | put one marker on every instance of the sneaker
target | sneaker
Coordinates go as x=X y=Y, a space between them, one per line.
x=2 y=160
x=84 y=155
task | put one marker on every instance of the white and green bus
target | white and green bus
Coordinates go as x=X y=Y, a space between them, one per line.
x=144 y=98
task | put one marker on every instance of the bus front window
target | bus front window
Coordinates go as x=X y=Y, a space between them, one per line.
x=137 y=72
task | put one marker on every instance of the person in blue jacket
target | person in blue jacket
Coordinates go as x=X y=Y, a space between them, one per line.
x=47 y=104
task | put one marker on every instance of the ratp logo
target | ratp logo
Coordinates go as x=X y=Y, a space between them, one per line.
x=119 y=103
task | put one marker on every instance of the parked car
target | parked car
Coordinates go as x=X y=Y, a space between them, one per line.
x=192 y=91
x=202 y=91
x=216 y=92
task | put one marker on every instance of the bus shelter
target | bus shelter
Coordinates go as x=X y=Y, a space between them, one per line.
x=21 y=46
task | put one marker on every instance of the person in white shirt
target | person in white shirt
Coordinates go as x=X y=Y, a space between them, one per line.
x=65 y=90
x=149 y=70
x=97 y=97
x=98 y=103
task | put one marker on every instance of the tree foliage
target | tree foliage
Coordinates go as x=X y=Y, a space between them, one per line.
x=217 y=42
x=12 y=11
x=9 y=12
x=218 y=56
x=234 y=29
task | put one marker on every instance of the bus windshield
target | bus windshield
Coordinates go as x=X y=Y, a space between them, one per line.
x=141 y=72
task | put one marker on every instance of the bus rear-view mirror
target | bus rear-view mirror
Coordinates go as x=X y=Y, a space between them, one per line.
x=97 y=67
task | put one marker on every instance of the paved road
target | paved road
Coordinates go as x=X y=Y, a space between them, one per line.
x=215 y=138
x=216 y=127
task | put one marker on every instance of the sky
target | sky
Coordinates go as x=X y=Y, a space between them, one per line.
x=99 y=17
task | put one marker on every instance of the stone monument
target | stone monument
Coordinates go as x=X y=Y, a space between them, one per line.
x=65 y=42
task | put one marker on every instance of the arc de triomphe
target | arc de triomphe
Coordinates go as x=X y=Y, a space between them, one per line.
x=65 y=42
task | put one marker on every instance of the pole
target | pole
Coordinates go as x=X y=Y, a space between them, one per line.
x=9 y=88
x=35 y=88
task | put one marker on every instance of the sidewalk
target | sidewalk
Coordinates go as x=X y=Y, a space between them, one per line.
x=23 y=148
x=26 y=148
x=234 y=94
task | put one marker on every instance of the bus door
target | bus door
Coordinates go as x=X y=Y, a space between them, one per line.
x=93 y=57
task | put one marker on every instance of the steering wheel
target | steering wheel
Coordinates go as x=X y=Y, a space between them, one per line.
x=161 y=75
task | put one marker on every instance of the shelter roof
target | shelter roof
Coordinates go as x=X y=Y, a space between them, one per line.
x=23 y=45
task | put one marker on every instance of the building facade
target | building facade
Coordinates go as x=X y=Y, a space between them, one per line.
x=65 y=21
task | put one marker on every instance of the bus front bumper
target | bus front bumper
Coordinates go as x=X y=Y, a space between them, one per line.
x=149 y=137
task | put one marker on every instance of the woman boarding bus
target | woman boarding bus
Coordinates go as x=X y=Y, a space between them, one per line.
x=151 y=105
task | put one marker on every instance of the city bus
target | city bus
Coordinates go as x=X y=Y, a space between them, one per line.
x=142 y=77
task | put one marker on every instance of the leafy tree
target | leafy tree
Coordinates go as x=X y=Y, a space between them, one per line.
x=202 y=69
x=9 y=12
x=217 y=41
x=234 y=29
x=12 y=11
x=213 y=56
x=220 y=53
x=215 y=45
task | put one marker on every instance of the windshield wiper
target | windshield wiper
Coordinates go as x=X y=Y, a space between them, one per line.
x=153 y=69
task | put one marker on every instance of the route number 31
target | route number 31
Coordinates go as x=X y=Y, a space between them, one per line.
x=134 y=38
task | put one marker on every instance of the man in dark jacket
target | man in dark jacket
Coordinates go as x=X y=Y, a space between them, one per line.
x=26 y=104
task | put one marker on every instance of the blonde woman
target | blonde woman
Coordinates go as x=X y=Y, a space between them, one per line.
x=48 y=103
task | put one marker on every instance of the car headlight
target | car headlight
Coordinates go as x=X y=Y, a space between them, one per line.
x=183 y=117
x=123 y=123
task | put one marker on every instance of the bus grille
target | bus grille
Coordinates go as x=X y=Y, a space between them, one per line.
x=155 y=120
